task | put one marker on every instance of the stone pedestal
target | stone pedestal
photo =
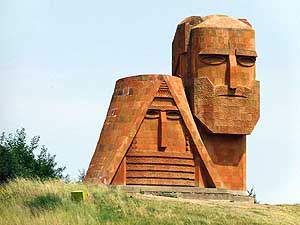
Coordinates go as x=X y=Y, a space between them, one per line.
x=191 y=193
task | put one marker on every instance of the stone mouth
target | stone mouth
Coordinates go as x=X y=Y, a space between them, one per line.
x=232 y=96
x=239 y=92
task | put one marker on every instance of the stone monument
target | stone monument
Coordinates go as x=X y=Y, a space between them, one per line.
x=189 y=129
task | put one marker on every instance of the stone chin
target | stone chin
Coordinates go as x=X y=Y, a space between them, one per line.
x=225 y=111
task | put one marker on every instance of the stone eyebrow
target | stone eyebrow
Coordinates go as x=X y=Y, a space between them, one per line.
x=244 y=52
x=216 y=51
x=219 y=51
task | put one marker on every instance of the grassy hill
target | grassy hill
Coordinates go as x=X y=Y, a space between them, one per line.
x=33 y=202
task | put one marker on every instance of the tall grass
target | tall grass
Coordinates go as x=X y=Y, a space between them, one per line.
x=34 y=202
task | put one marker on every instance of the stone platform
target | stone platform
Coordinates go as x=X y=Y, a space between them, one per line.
x=191 y=193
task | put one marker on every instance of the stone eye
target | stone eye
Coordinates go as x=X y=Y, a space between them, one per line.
x=152 y=114
x=212 y=59
x=246 y=60
x=173 y=115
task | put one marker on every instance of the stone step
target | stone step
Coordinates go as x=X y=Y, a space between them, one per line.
x=156 y=174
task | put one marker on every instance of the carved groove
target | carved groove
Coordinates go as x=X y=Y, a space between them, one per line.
x=159 y=174
x=167 y=161
x=172 y=154
x=155 y=167
x=158 y=181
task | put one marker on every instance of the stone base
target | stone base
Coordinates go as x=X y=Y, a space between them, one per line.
x=191 y=193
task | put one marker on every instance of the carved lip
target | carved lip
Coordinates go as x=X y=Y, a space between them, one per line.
x=233 y=96
x=239 y=92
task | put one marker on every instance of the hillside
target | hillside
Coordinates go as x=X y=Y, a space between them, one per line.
x=33 y=202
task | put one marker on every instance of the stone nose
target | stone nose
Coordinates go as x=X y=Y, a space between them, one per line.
x=162 y=131
x=232 y=74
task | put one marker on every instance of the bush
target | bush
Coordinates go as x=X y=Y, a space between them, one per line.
x=17 y=159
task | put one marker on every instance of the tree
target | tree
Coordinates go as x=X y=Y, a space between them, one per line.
x=17 y=158
x=252 y=194
x=81 y=175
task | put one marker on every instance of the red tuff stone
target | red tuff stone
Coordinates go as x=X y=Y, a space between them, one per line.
x=188 y=129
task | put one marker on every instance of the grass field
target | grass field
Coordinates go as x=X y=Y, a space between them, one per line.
x=33 y=202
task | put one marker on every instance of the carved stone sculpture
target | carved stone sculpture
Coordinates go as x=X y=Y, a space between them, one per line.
x=188 y=129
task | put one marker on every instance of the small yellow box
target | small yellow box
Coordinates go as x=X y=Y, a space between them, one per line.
x=78 y=196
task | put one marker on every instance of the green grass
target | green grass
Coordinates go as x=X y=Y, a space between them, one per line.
x=34 y=202
x=43 y=202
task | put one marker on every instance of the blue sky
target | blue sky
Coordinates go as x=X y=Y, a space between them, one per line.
x=59 y=61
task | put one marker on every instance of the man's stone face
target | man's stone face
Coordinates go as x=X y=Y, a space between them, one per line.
x=225 y=93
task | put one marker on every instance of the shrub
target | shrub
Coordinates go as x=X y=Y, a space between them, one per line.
x=17 y=158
